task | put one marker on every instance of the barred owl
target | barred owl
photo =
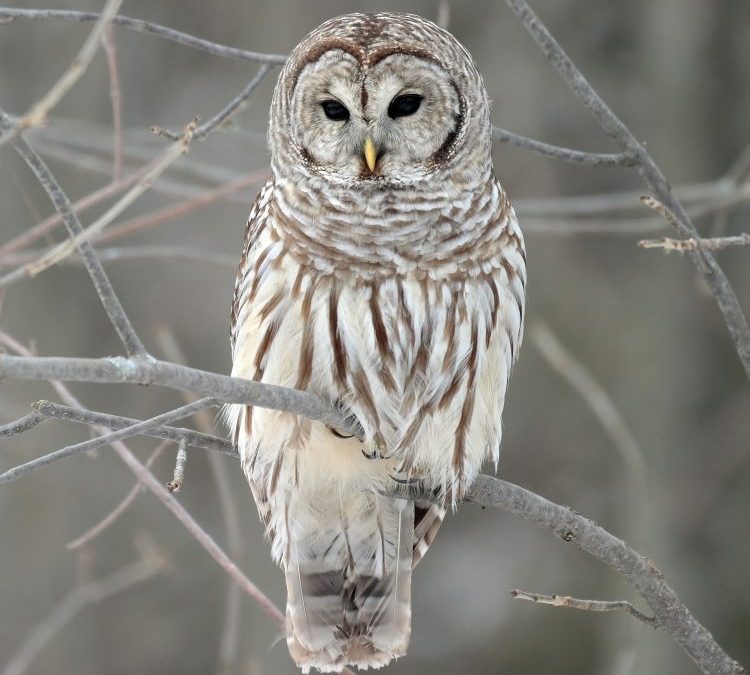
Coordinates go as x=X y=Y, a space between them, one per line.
x=383 y=270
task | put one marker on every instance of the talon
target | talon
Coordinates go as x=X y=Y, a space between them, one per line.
x=406 y=481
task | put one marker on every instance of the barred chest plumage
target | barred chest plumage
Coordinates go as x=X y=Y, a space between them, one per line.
x=405 y=311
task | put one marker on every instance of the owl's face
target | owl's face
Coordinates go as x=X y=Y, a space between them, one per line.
x=376 y=100
x=387 y=122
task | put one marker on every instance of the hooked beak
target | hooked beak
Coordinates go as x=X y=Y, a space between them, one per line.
x=371 y=154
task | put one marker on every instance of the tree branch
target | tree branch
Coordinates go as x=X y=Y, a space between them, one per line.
x=557 y=152
x=8 y=14
x=670 y=614
x=589 y=605
x=137 y=429
x=691 y=244
x=162 y=373
x=39 y=111
x=81 y=596
x=104 y=289
x=94 y=531
x=226 y=112
x=62 y=250
x=196 y=439
x=612 y=125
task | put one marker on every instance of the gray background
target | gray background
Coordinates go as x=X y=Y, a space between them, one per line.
x=677 y=72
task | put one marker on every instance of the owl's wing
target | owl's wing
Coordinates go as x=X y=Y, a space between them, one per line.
x=256 y=221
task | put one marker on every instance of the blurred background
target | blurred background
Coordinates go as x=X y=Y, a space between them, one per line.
x=674 y=482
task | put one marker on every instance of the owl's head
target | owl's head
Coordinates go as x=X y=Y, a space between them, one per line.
x=377 y=100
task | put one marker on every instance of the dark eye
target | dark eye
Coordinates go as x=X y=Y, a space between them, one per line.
x=335 y=111
x=405 y=105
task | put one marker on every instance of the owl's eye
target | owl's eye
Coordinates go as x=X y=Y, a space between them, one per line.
x=404 y=105
x=335 y=111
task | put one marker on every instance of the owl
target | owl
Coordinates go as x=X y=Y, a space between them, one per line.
x=384 y=271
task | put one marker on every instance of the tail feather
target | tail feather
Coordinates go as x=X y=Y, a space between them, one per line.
x=353 y=604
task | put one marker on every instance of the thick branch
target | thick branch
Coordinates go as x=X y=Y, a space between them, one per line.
x=670 y=613
x=152 y=371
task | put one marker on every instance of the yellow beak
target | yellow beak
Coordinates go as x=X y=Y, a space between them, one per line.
x=371 y=155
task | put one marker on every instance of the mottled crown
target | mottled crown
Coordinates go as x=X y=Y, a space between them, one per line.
x=369 y=38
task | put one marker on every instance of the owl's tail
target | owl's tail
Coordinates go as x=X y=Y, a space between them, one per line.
x=349 y=585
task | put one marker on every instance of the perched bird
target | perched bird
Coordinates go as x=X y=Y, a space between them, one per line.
x=384 y=271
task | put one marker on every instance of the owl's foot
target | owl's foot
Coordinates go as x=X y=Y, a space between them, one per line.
x=374 y=452
x=350 y=418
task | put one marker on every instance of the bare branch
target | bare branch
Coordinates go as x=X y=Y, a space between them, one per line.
x=9 y=13
x=119 y=253
x=557 y=152
x=612 y=125
x=230 y=633
x=147 y=479
x=691 y=244
x=107 y=438
x=152 y=371
x=182 y=207
x=39 y=111
x=175 y=485
x=80 y=597
x=61 y=251
x=26 y=423
x=671 y=615
x=601 y=405
x=40 y=229
x=588 y=605
x=108 y=42
x=225 y=113
x=196 y=439
x=104 y=289
x=93 y=532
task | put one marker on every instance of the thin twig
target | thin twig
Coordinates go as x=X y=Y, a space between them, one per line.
x=196 y=439
x=230 y=633
x=180 y=208
x=110 y=48
x=106 y=522
x=37 y=115
x=26 y=423
x=175 y=485
x=63 y=250
x=225 y=113
x=600 y=403
x=147 y=479
x=48 y=224
x=612 y=125
x=671 y=614
x=691 y=244
x=106 y=439
x=141 y=26
x=588 y=605
x=80 y=597
x=557 y=152
x=118 y=253
x=104 y=289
